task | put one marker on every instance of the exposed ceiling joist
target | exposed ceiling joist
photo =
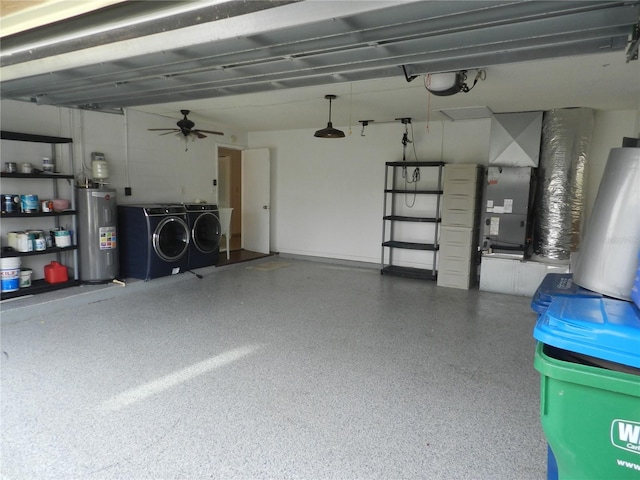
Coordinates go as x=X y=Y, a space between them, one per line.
x=423 y=36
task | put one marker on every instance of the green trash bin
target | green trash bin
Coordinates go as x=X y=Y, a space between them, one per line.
x=588 y=356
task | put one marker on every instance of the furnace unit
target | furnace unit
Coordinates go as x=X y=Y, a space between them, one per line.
x=508 y=200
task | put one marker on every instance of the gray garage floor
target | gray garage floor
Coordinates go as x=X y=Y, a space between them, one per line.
x=278 y=368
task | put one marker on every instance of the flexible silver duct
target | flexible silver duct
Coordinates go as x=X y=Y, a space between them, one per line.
x=566 y=139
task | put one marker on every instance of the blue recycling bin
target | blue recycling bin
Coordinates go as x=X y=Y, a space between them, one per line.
x=635 y=289
x=558 y=285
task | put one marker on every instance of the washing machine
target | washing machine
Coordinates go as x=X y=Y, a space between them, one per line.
x=154 y=240
x=205 y=230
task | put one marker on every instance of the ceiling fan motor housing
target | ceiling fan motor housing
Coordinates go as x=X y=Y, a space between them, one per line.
x=185 y=127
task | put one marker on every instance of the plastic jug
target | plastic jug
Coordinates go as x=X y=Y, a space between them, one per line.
x=55 y=273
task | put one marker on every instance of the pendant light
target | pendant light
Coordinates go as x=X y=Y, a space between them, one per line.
x=329 y=132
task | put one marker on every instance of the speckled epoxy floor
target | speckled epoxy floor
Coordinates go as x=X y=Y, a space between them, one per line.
x=305 y=371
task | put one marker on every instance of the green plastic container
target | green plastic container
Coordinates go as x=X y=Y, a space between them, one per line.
x=588 y=356
x=590 y=417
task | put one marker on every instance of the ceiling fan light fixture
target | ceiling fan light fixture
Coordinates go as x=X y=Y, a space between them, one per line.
x=329 y=131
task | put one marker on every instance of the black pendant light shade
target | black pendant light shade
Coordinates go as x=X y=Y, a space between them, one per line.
x=329 y=132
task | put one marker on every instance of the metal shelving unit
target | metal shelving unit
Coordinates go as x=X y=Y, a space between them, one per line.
x=390 y=238
x=40 y=286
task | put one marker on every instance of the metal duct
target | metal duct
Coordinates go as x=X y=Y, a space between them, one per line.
x=607 y=261
x=566 y=139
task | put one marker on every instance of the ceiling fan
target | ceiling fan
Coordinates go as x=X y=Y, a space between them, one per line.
x=185 y=127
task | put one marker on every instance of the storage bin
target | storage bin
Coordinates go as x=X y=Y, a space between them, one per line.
x=635 y=289
x=589 y=364
x=558 y=285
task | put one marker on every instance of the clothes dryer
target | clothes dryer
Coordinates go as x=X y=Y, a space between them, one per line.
x=154 y=240
x=206 y=231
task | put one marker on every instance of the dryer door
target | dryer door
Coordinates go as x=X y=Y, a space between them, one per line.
x=206 y=232
x=171 y=239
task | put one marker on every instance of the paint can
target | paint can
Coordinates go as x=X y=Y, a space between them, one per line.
x=12 y=240
x=38 y=241
x=10 y=274
x=29 y=203
x=61 y=238
x=47 y=165
x=25 y=277
x=23 y=242
x=10 y=203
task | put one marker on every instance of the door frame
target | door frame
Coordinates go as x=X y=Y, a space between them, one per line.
x=242 y=149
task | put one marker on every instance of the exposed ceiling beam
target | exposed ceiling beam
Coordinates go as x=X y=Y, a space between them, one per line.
x=313 y=47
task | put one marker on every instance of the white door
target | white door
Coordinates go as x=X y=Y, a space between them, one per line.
x=256 y=198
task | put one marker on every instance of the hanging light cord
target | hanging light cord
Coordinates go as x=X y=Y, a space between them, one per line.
x=415 y=176
x=350 y=106
x=427 y=84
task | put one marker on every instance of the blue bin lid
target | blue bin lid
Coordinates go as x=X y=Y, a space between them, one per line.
x=603 y=328
x=557 y=285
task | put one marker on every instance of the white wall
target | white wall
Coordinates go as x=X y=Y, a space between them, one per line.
x=156 y=167
x=327 y=195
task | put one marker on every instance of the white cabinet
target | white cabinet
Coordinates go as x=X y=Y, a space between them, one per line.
x=459 y=235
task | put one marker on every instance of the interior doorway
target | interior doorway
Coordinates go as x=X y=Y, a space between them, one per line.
x=230 y=191
x=230 y=195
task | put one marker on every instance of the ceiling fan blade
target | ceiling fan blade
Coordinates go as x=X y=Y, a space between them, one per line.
x=167 y=133
x=158 y=129
x=209 y=131
x=198 y=134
